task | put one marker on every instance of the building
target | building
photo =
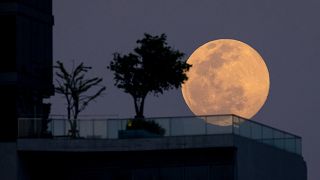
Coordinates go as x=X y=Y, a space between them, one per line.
x=191 y=148
x=25 y=71
x=26 y=62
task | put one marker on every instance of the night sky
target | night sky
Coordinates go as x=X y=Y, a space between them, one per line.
x=286 y=34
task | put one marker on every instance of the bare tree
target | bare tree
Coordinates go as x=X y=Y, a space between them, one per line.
x=74 y=86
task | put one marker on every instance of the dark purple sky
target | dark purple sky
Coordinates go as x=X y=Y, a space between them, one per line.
x=286 y=33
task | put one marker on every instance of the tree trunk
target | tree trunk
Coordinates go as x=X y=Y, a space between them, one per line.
x=135 y=105
x=139 y=106
x=74 y=131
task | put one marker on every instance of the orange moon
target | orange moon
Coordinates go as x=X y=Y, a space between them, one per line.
x=227 y=77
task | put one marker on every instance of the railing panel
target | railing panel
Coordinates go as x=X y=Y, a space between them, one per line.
x=177 y=126
x=59 y=127
x=93 y=128
x=194 y=126
x=113 y=127
x=100 y=129
x=164 y=123
x=245 y=128
x=298 y=146
x=256 y=131
x=279 y=139
x=218 y=124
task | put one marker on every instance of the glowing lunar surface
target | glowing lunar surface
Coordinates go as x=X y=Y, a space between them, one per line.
x=227 y=77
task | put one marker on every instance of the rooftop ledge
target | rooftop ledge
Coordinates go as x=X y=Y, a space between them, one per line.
x=97 y=134
x=141 y=144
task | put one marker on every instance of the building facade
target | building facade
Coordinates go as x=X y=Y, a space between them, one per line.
x=26 y=62
x=205 y=157
x=25 y=72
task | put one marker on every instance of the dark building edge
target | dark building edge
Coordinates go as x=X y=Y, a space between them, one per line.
x=241 y=158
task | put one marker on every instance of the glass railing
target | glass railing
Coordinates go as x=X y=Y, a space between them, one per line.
x=99 y=128
x=267 y=135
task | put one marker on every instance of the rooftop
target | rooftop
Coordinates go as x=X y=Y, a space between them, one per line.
x=180 y=132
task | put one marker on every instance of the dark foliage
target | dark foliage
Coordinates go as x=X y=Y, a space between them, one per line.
x=148 y=125
x=153 y=67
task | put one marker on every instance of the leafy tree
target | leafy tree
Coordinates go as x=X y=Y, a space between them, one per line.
x=153 y=67
x=74 y=86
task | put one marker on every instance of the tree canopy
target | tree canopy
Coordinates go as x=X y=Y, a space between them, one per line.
x=152 y=67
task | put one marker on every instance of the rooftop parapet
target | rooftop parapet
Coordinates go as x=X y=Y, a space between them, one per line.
x=101 y=128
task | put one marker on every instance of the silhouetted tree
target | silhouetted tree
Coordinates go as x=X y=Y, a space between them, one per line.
x=153 y=67
x=73 y=86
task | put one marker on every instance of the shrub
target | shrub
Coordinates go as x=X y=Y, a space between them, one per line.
x=147 y=125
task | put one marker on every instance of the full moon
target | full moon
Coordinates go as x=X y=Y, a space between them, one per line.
x=227 y=77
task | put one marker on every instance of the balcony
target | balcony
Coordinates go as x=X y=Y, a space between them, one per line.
x=188 y=126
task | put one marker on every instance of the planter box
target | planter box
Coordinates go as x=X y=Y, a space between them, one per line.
x=139 y=133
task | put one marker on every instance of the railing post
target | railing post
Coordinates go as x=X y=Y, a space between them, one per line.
x=284 y=142
x=79 y=124
x=107 y=126
x=93 y=128
x=65 y=131
x=273 y=139
x=170 y=126
x=239 y=126
x=250 y=128
x=232 y=124
x=52 y=128
x=18 y=132
x=205 y=125
x=295 y=145
x=261 y=133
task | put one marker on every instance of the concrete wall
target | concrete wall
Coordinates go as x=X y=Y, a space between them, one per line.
x=26 y=61
x=143 y=144
x=216 y=157
x=183 y=164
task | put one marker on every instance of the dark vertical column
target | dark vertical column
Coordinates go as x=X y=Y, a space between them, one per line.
x=8 y=77
x=25 y=62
